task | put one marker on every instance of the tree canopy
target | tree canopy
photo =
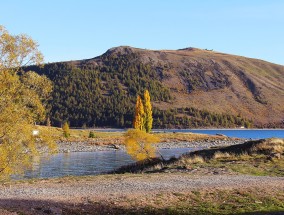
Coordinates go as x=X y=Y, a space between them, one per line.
x=22 y=97
x=148 y=119
x=139 y=144
x=139 y=115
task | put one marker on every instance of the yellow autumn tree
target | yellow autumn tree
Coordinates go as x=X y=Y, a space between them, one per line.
x=138 y=122
x=148 y=118
x=22 y=100
x=66 y=130
x=139 y=144
x=138 y=141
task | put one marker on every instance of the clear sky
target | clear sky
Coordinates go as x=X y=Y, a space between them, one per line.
x=74 y=30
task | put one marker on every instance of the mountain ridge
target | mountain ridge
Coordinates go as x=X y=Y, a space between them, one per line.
x=119 y=48
x=201 y=79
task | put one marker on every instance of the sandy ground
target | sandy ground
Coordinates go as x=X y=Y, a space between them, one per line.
x=50 y=196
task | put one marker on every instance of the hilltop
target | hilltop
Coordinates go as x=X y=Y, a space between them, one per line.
x=190 y=88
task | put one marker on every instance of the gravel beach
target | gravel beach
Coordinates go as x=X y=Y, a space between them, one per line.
x=50 y=196
x=69 y=146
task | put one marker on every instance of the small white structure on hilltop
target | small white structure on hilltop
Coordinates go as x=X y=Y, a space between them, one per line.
x=35 y=132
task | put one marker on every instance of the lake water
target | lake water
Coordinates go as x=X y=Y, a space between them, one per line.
x=93 y=163
x=89 y=163
x=240 y=133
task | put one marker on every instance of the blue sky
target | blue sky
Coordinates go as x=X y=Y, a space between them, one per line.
x=73 y=30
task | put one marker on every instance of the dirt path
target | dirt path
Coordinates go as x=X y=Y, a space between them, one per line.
x=33 y=197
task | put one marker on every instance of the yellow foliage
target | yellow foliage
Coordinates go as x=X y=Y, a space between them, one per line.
x=139 y=144
x=17 y=51
x=66 y=130
x=143 y=119
x=21 y=104
x=139 y=115
x=148 y=111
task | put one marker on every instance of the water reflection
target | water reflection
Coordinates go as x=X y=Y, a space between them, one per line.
x=88 y=163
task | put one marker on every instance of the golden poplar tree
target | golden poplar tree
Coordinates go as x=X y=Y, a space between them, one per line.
x=139 y=144
x=148 y=119
x=21 y=103
x=139 y=115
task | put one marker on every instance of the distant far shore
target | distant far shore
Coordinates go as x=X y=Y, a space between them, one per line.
x=172 y=129
x=113 y=139
x=253 y=133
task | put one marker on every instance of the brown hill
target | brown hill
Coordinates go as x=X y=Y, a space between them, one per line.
x=213 y=81
x=189 y=88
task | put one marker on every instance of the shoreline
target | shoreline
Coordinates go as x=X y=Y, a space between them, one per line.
x=175 y=188
x=85 y=146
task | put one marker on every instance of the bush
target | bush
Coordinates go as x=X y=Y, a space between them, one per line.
x=92 y=134
x=66 y=130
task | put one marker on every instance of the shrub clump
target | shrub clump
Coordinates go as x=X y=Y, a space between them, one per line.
x=92 y=134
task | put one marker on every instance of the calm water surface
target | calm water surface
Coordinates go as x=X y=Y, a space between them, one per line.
x=93 y=163
x=241 y=133
x=88 y=163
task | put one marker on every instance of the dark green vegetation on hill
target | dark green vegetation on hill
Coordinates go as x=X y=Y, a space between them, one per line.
x=189 y=88
x=100 y=95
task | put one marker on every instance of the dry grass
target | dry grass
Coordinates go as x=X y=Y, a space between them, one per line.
x=83 y=135
x=265 y=147
x=262 y=157
x=273 y=145
x=105 y=138
x=243 y=156
x=218 y=155
x=184 y=137
x=191 y=160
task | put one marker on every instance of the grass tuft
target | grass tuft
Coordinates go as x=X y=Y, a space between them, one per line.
x=218 y=155
x=269 y=146
x=192 y=160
